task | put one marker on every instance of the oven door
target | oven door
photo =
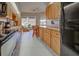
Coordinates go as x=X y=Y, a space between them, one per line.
x=76 y=40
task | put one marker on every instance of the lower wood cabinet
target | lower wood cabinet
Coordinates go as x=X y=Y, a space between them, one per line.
x=55 y=41
x=47 y=36
x=52 y=38
x=44 y=35
x=41 y=33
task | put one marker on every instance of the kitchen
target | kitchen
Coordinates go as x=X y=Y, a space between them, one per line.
x=34 y=29
x=32 y=18
x=45 y=21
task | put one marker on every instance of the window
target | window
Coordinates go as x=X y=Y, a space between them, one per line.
x=32 y=20
x=42 y=21
x=29 y=20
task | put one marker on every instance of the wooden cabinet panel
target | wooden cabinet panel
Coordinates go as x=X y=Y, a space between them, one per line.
x=53 y=11
x=55 y=41
x=57 y=10
x=41 y=33
x=9 y=12
x=51 y=38
x=56 y=46
x=52 y=15
x=47 y=12
x=47 y=36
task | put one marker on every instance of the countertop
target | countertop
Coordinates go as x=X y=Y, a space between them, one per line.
x=52 y=28
x=4 y=38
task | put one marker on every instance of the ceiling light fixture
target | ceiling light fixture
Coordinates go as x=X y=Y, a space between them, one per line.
x=51 y=2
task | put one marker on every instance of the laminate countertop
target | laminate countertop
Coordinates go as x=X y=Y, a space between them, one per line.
x=50 y=27
x=4 y=38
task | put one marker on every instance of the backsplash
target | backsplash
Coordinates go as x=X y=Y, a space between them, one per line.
x=52 y=22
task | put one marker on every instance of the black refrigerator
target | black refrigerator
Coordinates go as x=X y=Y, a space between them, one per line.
x=69 y=26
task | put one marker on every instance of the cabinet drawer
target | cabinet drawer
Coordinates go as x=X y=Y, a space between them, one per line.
x=56 y=36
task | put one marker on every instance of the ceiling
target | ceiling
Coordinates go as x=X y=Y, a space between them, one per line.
x=31 y=7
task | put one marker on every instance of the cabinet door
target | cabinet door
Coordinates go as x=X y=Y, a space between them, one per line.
x=41 y=33
x=57 y=10
x=55 y=42
x=52 y=12
x=47 y=12
x=52 y=37
x=56 y=45
x=48 y=37
x=9 y=12
x=45 y=35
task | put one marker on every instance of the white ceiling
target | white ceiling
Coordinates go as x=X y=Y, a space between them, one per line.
x=31 y=7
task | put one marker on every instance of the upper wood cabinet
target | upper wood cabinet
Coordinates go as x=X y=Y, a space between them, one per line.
x=53 y=11
x=57 y=10
x=9 y=12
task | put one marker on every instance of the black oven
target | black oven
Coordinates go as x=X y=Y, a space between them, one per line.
x=70 y=29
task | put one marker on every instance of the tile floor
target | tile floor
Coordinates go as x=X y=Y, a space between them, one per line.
x=30 y=46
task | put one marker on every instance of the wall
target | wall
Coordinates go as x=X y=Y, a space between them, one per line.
x=55 y=23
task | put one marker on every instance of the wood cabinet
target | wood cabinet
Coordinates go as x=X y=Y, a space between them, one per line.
x=53 y=11
x=55 y=41
x=57 y=10
x=41 y=32
x=51 y=37
x=48 y=37
x=44 y=35
x=9 y=12
x=48 y=12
